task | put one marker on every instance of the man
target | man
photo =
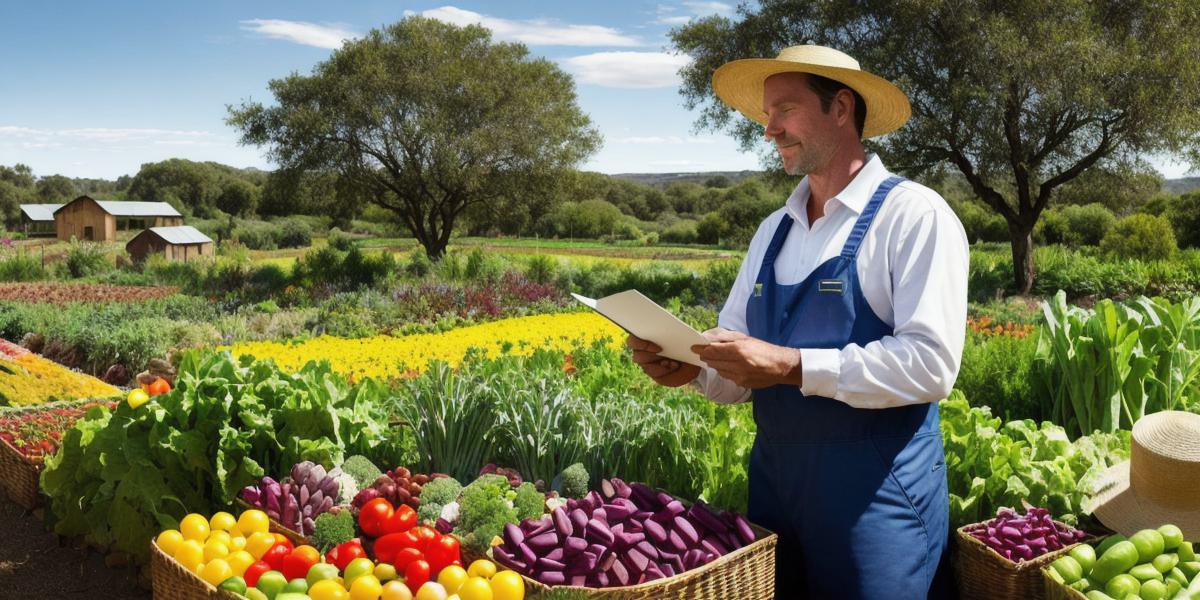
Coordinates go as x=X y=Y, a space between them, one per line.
x=845 y=327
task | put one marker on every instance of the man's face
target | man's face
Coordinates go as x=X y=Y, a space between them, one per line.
x=805 y=137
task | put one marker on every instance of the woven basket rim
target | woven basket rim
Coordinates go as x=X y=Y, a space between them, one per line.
x=37 y=462
x=763 y=542
x=1011 y=565
x=166 y=561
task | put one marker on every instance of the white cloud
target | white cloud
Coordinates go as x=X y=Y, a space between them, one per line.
x=693 y=10
x=30 y=137
x=301 y=32
x=627 y=69
x=535 y=32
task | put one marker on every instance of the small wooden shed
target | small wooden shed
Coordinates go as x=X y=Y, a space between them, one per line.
x=182 y=242
x=88 y=219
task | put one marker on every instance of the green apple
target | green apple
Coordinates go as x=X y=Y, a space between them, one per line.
x=234 y=584
x=292 y=596
x=255 y=594
x=321 y=571
x=385 y=572
x=297 y=585
x=357 y=568
x=271 y=583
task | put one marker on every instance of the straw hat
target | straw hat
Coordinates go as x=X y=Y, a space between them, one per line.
x=1160 y=483
x=740 y=85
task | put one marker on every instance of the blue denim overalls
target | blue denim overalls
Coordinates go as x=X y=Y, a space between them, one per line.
x=857 y=496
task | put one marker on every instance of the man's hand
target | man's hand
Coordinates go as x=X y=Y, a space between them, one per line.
x=662 y=370
x=750 y=362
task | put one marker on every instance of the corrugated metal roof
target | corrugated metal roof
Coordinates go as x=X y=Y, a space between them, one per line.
x=182 y=234
x=40 y=212
x=123 y=208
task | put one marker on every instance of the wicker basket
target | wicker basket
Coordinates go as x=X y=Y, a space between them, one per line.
x=277 y=527
x=172 y=581
x=1057 y=591
x=984 y=574
x=747 y=573
x=19 y=476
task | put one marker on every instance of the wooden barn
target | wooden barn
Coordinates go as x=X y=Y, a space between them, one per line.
x=38 y=219
x=174 y=243
x=88 y=219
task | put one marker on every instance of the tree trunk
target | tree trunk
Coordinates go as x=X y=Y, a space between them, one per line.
x=1022 y=254
x=434 y=249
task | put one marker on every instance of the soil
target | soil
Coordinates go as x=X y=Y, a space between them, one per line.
x=36 y=564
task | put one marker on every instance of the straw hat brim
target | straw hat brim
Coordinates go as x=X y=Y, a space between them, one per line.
x=740 y=85
x=1120 y=508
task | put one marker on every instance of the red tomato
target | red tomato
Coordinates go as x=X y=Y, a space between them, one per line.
x=276 y=554
x=254 y=571
x=343 y=553
x=296 y=565
x=407 y=556
x=442 y=552
x=425 y=536
x=402 y=520
x=159 y=386
x=416 y=574
x=373 y=515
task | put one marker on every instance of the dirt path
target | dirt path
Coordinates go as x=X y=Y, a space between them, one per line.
x=35 y=564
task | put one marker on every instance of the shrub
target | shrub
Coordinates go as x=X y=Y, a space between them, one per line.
x=542 y=268
x=259 y=236
x=339 y=240
x=484 y=266
x=268 y=280
x=1141 y=236
x=1185 y=219
x=294 y=234
x=981 y=224
x=418 y=264
x=1087 y=225
x=995 y=373
x=21 y=267
x=85 y=259
x=188 y=276
x=712 y=286
x=448 y=267
x=711 y=229
x=683 y=232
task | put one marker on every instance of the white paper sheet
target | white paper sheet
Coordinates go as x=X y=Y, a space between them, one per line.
x=645 y=319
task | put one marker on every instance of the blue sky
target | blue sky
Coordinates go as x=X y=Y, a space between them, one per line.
x=95 y=89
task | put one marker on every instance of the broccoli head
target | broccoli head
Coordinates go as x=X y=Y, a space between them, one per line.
x=362 y=470
x=574 y=481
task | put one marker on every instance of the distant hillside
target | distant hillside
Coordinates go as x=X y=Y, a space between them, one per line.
x=665 y=179
x=1181 y=185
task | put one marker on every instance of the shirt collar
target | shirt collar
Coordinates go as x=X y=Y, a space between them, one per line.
x=854 y=196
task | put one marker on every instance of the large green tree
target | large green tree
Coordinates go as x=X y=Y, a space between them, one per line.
x=428 y=120
x=56 y=188
x=1021 y=96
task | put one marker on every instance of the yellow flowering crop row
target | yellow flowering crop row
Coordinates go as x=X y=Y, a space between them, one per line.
x=392 y=357
x=30 y=379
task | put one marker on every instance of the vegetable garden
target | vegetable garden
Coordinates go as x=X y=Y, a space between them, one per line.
x=505 y=455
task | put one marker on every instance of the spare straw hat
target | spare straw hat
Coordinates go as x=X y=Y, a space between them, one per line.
x=740 y=85
x=1160 y=483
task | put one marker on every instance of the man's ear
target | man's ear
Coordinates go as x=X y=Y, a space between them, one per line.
x=843 y=103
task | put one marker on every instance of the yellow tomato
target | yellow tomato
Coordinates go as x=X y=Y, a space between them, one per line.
x=215 y=549
x=396 y=590
x=482 y=568
x=452 y=578
x=508 y=585
x=194 y=527
x=220 y=536
x=328 y=589
x=169 y=540
x=222 y=521
x=431 y=590
x=366 y=587
x=236 y=543
x=190 y=553
x=258 y=544
x=239 y=561
x=137 y=397
x=475 y=588
x=253 y=521
x=308 y=552
x=216 y=571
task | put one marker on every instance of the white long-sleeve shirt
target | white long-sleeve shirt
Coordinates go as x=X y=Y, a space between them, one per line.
x=912 y=268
